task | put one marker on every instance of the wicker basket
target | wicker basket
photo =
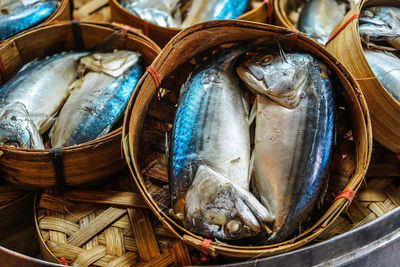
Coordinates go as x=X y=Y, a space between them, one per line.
x=154 y=110
x=16 y=227
x=107 y=226
x=261 y=12
x=281 y=13
x=384 y=108
x=84 y=163
x=63 y=12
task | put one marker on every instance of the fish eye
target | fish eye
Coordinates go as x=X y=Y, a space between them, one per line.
x=233 y=228
x=266 y=60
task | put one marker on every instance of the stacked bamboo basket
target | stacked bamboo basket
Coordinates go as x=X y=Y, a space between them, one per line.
x=111 y=223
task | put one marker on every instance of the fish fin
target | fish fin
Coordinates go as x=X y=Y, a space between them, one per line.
x=47 y=124
x=281 y=52
x=253 y=112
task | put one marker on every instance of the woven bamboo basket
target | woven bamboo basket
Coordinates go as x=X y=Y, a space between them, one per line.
x=63 y=12
x=17 y=229
x=84 y=163
x=154 y=109
x=106 y=226
x=282 y=18
x=383 y=107
x=262 y=12
x=379 y=194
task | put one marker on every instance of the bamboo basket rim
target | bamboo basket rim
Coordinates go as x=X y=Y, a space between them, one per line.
x=279 y=13
x=83 y=23
x=337 y=207
x=12 y=202
x=177 y=29
x=381 y=95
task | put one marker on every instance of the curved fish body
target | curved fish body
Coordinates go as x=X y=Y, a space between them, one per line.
x=294 y=114
x=164 y=13
x=16 y=18
x=386 y=67
x=17 y=128
x=205 y=10
x=380 y=23
x=209 y=155
x=41 y=87
x=97 y=100
x=319 y=17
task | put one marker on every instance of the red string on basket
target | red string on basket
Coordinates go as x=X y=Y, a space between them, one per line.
x=146 y=28
x=347 y=194
x=293 y=39
x=204 y=247
x=398 y=156
x=270 y=10
x=3 y=71
x=153 y=72
x=125 y=30
x=343 y=26
x=63 y=261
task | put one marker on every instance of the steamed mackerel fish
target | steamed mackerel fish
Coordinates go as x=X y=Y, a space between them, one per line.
x=18 y=15
x=386 y=67
x=40 y=88
x=380 y=23
x=164 y=13
x=204 y=10
x=98 y=99
x=319 y=17
x=209 y=155
x=293 y=135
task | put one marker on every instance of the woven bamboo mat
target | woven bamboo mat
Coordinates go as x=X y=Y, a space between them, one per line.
x=106 y=226
x=379 y=194
x=92 y=10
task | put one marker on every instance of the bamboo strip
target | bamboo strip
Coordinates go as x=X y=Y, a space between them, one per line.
x=371 y=195
x=98 y=224
x=180 y=253
x=125 y=199
x=128 y=259
x=84 y=222
x=114 y=241
x=129 y=243
x=90 y=256
x=163 y=260
x=59 y=225
x=394 y=194
x=55 y=203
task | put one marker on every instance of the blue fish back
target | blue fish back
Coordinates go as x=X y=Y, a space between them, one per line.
x=108 y=113
x=23 y=17
x=230 y=9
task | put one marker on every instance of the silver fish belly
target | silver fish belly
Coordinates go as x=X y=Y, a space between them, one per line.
x=293 y=136
x=319 y=17
x=97 y=100
x=41 y=87
x=164 y=13
x=204 y=10
x=209 y=155
x=386 y=67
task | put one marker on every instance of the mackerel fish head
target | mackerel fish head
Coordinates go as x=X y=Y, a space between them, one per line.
x=17 y=129
x=282 y=77
x=217 y=208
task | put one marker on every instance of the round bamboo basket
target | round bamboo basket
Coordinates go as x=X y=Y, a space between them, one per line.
x=17 y=229
x=154 y=109
x=383 y=107
x=262 y=12
x=105 y=226
x=63 y=12
x=281 y=13
x=83 y=163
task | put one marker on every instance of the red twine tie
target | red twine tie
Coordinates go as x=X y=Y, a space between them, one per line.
x=398 y=156
x=270 y=10
x=125 y=30
x=63 y=261
x=204 y=247
x=153 y=72
x=347 y=194
x=343 y=26
x=293 y=39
